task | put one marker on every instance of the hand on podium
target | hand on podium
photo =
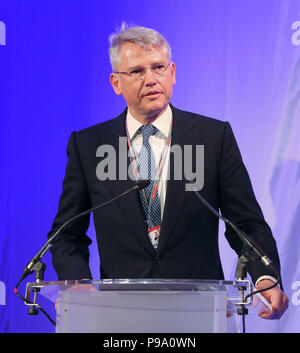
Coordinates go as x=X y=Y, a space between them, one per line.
x=276 y=297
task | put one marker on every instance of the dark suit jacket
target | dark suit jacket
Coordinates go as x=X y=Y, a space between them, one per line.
x=188 y=246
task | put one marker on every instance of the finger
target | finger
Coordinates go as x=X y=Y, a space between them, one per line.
x=274 y=314
x=228 y=313
x=269 y=315
x=279 y=308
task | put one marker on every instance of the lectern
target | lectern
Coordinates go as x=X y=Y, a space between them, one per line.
x=144 y=305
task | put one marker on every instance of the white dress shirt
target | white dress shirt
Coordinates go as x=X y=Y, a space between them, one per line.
x=157 y=142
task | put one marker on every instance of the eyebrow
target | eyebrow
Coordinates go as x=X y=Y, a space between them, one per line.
x=136 y=67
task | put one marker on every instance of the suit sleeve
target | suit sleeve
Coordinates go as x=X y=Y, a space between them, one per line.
x=239 y=204
x=70 y=253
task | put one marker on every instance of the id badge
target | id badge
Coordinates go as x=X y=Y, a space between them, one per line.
x=154 y=235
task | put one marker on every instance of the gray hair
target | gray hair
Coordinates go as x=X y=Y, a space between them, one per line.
x=142 y=36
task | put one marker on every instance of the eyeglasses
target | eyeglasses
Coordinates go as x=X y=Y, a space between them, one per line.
x=140 y=73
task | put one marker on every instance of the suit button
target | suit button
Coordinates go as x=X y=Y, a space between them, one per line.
x=157 y=260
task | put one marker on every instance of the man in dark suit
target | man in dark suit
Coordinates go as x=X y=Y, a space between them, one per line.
x=164 y=232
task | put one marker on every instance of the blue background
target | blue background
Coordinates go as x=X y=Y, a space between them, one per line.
x=235 y=61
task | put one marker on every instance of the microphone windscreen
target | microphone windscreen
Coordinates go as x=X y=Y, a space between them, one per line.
x=143 y=184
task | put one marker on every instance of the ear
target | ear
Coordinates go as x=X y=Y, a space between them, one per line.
x=115 y=82
x=173 y=69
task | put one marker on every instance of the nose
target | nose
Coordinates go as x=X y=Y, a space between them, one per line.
x=149 y=79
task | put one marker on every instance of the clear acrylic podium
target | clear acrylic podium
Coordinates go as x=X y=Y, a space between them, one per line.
x=144 y=305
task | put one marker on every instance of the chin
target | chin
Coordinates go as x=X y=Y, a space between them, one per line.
x=156 y=107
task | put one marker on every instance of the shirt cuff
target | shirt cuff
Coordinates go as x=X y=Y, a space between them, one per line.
x=266 y=277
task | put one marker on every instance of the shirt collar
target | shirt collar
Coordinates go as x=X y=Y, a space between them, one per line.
x=162 y=123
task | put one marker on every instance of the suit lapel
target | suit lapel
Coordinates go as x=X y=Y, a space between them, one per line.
x=175 y=193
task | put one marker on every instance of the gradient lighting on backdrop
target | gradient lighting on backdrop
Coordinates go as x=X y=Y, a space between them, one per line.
x=235 y=61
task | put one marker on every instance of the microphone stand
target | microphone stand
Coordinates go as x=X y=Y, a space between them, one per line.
x=39 y=267
x=241 y=275
x=251 y=253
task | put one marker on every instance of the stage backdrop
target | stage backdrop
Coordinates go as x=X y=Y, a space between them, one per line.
x=236 y=60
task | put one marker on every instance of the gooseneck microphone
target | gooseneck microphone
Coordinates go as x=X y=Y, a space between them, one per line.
x=35 y=263
x=252 y=254
x=141 y=184
x=258 y=253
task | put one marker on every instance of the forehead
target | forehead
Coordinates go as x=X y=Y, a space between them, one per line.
x=132 y=55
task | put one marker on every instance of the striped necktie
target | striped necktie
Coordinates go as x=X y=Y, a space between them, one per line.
x=147 y=170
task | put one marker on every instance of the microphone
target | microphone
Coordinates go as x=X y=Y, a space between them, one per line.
x=140 y=184
x=243 y=236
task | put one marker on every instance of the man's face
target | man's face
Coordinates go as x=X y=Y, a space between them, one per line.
x=147 y=97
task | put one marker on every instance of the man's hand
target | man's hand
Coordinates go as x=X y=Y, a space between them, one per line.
x=276 y=297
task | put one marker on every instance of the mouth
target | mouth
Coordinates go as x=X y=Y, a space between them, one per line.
x=152 y=94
